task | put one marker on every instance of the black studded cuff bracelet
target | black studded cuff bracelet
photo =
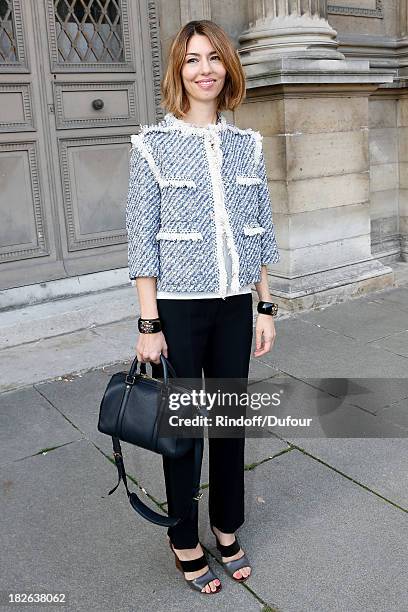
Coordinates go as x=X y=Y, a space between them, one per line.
x=149 y=326
x=269 y=308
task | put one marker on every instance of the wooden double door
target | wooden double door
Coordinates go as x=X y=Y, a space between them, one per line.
x=76 y=79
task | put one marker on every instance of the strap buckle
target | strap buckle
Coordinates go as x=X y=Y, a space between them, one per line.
x=130 y=380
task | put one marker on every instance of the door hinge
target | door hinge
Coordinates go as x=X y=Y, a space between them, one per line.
x=51 y=108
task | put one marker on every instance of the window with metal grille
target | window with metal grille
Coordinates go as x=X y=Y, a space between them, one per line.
x=8 y=43
x=89 y=31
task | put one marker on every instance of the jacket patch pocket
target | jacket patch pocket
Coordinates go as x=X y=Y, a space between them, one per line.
x=181 y=256
x=246 y=193
x=178 y=201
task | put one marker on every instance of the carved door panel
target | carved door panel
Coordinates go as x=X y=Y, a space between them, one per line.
x=75 y=82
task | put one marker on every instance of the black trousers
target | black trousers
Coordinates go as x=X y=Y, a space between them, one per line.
x=214 y=336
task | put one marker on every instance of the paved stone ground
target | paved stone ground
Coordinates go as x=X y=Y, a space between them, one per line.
x=326 y=515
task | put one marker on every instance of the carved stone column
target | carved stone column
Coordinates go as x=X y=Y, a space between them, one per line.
x=288 y=28
x=402 y=127
x=311 y=106
x=403 y=18
x=402 y=42
x=194 y=9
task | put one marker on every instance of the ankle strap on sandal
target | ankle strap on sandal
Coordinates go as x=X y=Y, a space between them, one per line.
x=194 y=565
x=230 y=550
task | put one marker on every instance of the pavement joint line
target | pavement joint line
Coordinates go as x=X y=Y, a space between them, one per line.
x=399 y=331
x=353 y=480
x=252 y=466
x=333 y=331
x=265 y=363
x=47 y=449
x=388 y=350
x=395 y=333
x=43 y=451
x=258 y=380
x=60 y=412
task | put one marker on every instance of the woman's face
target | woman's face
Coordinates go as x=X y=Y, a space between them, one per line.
x=202 y=63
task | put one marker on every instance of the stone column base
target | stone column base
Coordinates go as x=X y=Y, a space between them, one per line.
x=404 y=247
x=330 y=286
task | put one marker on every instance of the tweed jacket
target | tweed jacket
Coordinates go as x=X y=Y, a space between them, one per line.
x=189 y=185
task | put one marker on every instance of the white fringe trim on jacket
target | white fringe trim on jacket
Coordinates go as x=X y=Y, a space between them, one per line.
x=251 y=231
x=248 y=180
x=171 y=122
x=221 y=217
x=179 y=236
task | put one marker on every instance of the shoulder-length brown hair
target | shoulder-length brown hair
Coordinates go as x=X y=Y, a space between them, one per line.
x=174 y=98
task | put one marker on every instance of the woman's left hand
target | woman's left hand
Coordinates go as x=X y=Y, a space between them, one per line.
x=265 y=334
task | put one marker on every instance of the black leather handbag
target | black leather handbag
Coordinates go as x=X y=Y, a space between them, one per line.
x=132 y=409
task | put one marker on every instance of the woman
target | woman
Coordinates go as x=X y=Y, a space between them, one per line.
x=200 y=233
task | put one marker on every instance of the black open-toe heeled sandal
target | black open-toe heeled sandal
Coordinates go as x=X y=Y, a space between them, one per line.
x=232 y=566
x=193 y=566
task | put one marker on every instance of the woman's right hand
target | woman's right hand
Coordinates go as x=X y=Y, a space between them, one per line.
x=149 y=347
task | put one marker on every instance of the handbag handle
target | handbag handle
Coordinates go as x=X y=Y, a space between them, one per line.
x=167 y=367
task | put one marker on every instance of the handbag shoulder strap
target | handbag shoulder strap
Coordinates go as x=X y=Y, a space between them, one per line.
x=142 y=508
